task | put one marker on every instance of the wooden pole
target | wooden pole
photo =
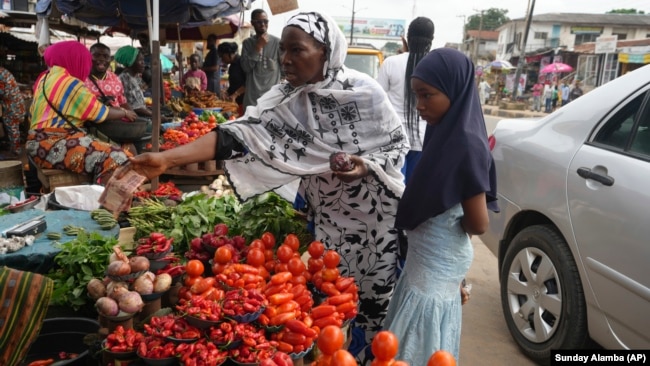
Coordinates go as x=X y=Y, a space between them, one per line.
x=156 y=87
x=522 y=57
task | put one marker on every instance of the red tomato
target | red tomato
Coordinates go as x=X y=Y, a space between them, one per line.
x=316 y=249
x=194 y=268
x=343 y=358
x=330 y=339
x=257 y=243
x=284 y=253
x=330 y=274
x=269 y=240
x=331 y=259
x=255 y=257
x=223 y=255
x=441 y=358
x=296 y=266
x=384 y=345
x=292 y=241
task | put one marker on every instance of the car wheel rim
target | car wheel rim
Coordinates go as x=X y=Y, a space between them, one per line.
x=534 y=295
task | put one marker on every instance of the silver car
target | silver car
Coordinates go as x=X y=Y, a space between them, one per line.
x=572 y=241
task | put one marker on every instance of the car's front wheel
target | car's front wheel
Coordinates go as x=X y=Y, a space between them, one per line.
x=541 y=293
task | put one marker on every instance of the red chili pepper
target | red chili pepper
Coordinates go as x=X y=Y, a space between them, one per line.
x=47 y=362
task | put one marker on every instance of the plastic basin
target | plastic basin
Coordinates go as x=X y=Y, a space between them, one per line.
x=63 y=335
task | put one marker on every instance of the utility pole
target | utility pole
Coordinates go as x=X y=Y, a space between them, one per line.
x=352 y=23
x=477 y=40
x=462 y=38
x=522 y=54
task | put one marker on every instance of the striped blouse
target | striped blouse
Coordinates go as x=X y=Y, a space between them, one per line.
x=70 y=96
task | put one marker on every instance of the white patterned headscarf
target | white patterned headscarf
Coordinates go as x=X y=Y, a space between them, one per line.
x=292 y=131
x=317 y=26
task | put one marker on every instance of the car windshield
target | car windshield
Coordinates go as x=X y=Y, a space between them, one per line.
x=368 y=64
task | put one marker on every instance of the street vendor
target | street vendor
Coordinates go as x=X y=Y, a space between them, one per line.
x=133 y=61
x=102 y=81
x=286 y=140
x=61 y=106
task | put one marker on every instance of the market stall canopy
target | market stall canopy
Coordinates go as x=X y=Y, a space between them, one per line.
x=556 y=68
x=23 y=19
x=130 y=14
x=224 y=27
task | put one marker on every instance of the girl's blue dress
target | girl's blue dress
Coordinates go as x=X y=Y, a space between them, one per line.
x=425 y=310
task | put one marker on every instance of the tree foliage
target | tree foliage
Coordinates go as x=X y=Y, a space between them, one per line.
x=493 y=18
x=625 y=11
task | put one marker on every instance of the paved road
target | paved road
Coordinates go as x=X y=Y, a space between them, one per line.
x=485 y=339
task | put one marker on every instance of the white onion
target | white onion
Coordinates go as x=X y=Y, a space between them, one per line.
x=162 y=282
x=143 y=285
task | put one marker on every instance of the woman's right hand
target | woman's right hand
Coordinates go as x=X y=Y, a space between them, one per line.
x=130 y=115
x=150 y=165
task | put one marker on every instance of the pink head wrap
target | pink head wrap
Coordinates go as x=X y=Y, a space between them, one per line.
x=72 y=56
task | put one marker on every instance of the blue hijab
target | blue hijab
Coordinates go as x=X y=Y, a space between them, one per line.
x=456 y=163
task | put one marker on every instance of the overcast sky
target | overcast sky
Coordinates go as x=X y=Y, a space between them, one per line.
x=447 y=15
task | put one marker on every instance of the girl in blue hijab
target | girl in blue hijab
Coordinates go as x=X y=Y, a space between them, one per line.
x=445 y=202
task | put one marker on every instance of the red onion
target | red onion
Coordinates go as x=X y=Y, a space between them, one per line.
x=107 y=306
x=119 y=268
x=131 y=302
x=115 y=290
x=139 y=263
x=96 y=288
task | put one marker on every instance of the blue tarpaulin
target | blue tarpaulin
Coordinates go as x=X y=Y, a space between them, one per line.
x=132 y=14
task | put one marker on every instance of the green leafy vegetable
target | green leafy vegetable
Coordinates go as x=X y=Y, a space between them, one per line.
x=79 y=261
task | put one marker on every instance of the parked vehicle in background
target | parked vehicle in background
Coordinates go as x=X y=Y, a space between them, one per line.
x=364 y=58
x=572 y=239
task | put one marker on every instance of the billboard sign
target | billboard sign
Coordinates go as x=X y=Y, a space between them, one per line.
x=373 y=28
x=606 y=44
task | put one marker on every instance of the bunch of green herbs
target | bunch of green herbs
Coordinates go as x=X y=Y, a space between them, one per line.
x=80 y=260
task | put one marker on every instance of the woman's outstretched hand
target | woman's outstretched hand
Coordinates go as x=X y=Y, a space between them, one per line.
x=359 y=171
x=150 y=165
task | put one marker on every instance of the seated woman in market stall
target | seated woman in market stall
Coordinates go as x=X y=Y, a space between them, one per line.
x=102 y=81
x=62 y=105
x=321 y=108
x=133 y=61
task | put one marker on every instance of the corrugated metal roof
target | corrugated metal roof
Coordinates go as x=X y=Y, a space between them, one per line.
x=599 y=19
x=484 y=34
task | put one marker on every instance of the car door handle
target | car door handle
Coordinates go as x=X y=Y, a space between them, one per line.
x=603 y=179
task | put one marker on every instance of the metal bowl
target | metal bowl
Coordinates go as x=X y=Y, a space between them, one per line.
x=122 y=131
x=23 y=206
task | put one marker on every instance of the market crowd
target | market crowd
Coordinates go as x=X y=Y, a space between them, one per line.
x=300 y=105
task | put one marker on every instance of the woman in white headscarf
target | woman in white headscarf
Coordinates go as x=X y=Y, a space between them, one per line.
x=286 y=140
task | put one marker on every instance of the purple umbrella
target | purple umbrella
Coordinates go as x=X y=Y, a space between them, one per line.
x=556 y=68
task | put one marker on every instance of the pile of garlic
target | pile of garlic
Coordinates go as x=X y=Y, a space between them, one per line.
x=15 y=243
x=219 y=187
